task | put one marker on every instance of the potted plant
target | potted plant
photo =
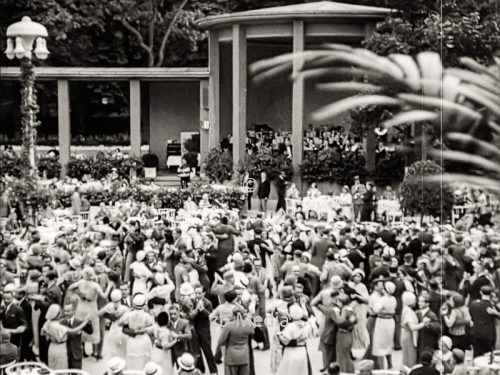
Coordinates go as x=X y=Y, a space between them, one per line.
x=151 y=164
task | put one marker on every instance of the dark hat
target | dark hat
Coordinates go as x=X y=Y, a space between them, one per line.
x=426 y=358
x=486 y=289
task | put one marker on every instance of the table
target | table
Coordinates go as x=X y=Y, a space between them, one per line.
x=326 y=204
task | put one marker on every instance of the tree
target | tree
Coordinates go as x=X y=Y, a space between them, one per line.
x=420 y=197
x=454 y=28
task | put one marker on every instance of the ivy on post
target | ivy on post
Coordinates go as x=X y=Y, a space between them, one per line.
x=29 y=122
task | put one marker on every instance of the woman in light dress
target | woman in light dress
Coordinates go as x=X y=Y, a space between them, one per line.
x=137 y=323
x=385 y=326
x=57 y=334
x=89 y=290
x=113 y=311
x=294 y=337
x=141 y=274
x=360 y=334
x=163 y=342
x=409 y=331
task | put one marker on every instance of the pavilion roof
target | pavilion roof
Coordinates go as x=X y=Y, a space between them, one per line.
x=320 y=10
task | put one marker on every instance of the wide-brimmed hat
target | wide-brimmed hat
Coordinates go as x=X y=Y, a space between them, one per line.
x=151 y=368
x=139 y=300
x=116 y=364
x=186 y=362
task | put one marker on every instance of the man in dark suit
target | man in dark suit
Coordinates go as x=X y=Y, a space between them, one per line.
x=201 y=328
x=74 y=342
x=425 y=367
x=12 y=317
x=429 y=327
x=235 y=342
x=263 y=191
x=320 y=248
x=281 y=192
x=328 y=342
x=26 y=353
x=181 y=332
x=53 y=293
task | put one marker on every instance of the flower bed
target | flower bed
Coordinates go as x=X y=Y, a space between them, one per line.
x=97 y=192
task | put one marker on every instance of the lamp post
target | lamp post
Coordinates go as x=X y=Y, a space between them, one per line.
x=21 y=38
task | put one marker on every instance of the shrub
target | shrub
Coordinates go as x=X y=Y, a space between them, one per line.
x=219 y=165
x=422 y=197
x=150 y=160
x=101 y=165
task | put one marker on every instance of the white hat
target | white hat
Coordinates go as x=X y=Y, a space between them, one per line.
x=116 y=295
x=186 y=289
x=186 y=362
x=296 y=312
x=140 y=255
x=446 y=341
x=336 y=282
x=152 y=368
x=159 y=278
x=9 y=288
x=116 y=364
x=139 y=300
x=75 y=263
x=390 y=287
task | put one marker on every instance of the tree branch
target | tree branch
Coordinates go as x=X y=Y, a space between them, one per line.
x=138 y=35
x=151 y=26
x=161 y=52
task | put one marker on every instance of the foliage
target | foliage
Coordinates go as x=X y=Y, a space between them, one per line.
x=465 y=115
x=453 y=28
x=150 y=160
x=419 y=197
x=192 y=144
x=49 y=166
x=351 y=164
x=389 y=170
x=101 y=165
x=191 y=159
x=219 y=165
x=321 y=166
x=273 y=165
x=95 y=194
x=11 y=166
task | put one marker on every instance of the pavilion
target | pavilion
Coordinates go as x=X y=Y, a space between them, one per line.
x=222 y=99
x=237 y=40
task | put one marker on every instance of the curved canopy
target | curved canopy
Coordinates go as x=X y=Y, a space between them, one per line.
x=318 y=10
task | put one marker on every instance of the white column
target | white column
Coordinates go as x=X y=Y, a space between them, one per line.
x=297 y=102
x=135 y=117
x=64 y=124
x=239 y=93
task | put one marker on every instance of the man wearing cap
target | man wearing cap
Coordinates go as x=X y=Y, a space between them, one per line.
x=357 y=190
x=483 y=314
x=234 y=341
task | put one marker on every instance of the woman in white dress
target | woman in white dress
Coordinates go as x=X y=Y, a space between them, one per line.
x=409 y=331
x=136 y=324
x=163 y=342
x=385 y=326
x=294 y=337
x=57 y=334
x=113 y=311
x=89 y=290
x=141 y=273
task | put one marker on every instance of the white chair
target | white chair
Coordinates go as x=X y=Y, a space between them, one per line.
x=291 y=205
x=17 y=368
x=3 y=367
x=85 y=215
x=71 y=372
x=165 y=214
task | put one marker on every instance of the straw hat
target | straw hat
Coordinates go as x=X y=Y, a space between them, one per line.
x=139 y=300
x=296 y=312
x=116 y=295
x=116 y=364
x=186 y=362
x=152 y=368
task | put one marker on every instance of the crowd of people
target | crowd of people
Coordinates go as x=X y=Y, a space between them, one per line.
x=150 y=293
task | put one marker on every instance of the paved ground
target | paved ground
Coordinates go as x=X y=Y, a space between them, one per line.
x=262 y=359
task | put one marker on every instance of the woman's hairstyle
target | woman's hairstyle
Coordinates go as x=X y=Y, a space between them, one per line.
x=162 y=319
x=52 y=312
x=458 y=300
x=88 y=273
